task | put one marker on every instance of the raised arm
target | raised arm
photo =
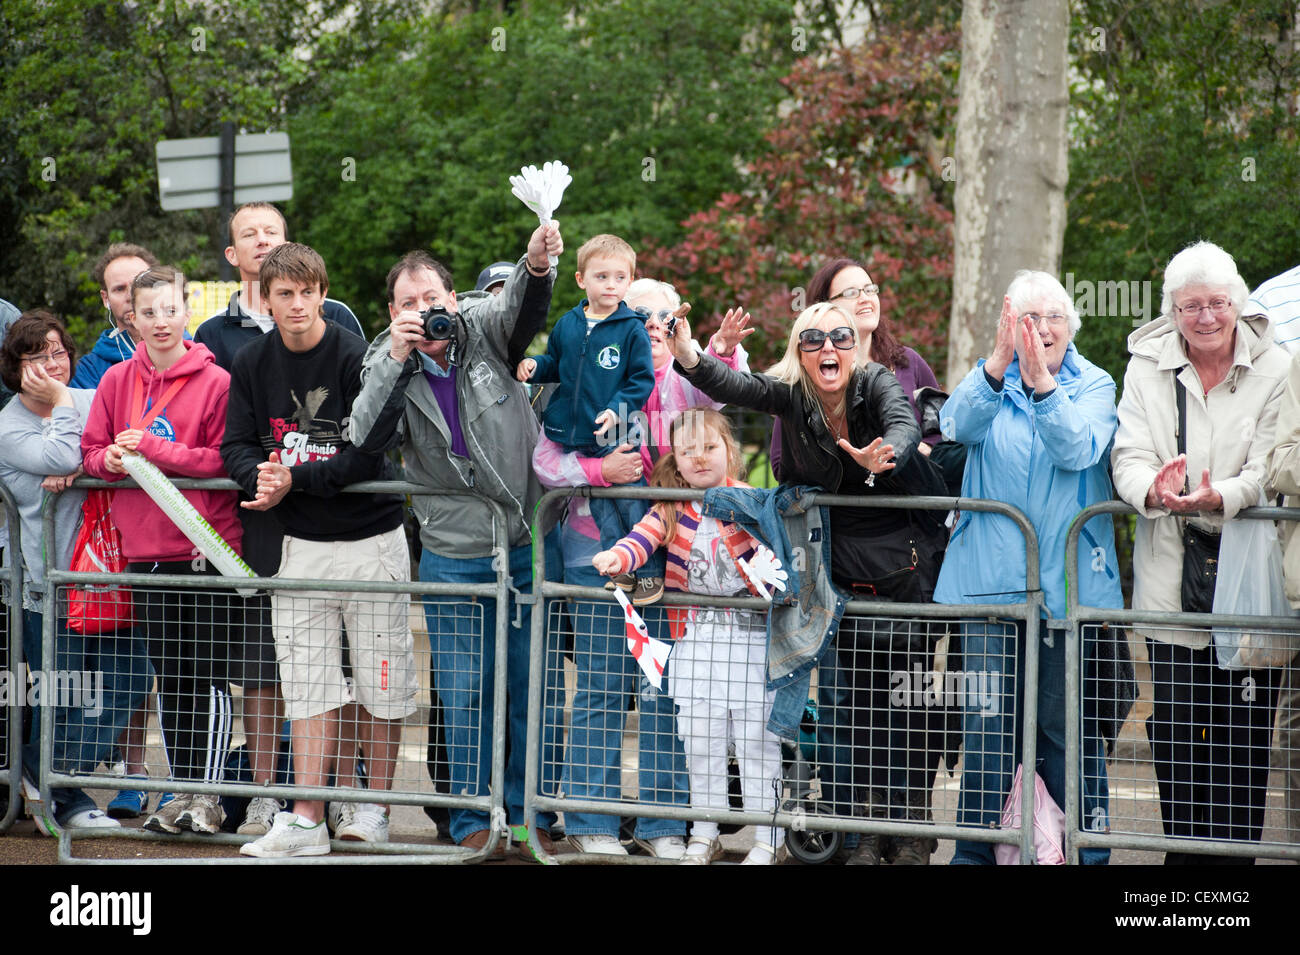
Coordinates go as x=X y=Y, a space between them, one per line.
x=1077 y=432
x=377 y=412
x=511 y=320
x=969 y=411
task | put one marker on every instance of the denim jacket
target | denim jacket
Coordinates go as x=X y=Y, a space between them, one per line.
x=801 y=626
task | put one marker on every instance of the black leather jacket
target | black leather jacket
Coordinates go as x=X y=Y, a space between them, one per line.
x=877 y=408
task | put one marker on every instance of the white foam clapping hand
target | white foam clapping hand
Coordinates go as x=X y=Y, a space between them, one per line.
x=542 y=189
x=765 y=571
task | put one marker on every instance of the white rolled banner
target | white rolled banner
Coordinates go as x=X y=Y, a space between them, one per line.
x=186 y=518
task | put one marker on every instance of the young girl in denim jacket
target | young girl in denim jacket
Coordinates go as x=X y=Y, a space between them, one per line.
x=717 y=672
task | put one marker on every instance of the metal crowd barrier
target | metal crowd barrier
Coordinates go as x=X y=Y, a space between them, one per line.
x=802 y=805
x=1185 y=794
x=11 y=665
x=212 y=592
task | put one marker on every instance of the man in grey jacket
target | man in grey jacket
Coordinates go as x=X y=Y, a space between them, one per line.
x=466 y=427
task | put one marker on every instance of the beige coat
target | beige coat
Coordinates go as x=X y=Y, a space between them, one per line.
x=1230 y=431
x=1284 y=476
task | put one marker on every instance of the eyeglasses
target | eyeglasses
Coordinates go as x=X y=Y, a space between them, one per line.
x=1218 y=306
x=1053 y=318
x=854 y=291
x=46 y=357
x=661 y=315
x=811 y=339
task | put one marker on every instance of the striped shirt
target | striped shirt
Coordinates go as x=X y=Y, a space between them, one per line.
x=648 y=535
x=1279 y=299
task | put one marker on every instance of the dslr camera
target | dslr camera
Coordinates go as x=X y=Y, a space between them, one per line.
x=438 y=323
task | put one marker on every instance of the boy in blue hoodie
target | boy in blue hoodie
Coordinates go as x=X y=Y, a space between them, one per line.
x=599 y=353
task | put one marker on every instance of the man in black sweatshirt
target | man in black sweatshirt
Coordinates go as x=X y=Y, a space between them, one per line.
x=287 y=445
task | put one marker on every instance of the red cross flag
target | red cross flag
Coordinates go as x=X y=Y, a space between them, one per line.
x=650 y=653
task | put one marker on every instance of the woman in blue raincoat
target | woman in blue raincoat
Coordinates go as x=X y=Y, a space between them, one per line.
x=1038 y=420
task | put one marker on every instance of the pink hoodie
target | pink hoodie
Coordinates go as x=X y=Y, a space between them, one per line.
x=184 y=440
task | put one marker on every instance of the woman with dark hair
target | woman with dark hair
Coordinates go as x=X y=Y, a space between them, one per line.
x=846 y=283
x=40 y=451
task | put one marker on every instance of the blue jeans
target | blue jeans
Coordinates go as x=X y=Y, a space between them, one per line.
x=607 y=676
x=616 y=517
x=118 y=666
x=464 y=661
x=993 y=730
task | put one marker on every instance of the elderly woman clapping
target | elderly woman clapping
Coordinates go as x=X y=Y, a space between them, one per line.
x=1037 y=419
x=1201 y=399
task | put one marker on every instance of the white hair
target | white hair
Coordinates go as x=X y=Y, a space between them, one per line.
x=642 y=287
x=1203 y=263
x=1028 y=285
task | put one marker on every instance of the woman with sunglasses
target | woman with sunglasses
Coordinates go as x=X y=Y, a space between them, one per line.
x=847 y=283
x=849 y=429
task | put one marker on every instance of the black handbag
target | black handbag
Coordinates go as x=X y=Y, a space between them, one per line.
x=901 y=565
x=1200 y=548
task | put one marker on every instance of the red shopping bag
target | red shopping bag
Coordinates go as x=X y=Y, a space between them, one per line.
x=99 y=609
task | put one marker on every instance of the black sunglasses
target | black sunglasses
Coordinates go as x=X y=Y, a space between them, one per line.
x=811 y=339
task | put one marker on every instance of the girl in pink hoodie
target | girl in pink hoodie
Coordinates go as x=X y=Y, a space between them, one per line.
x=168 y=403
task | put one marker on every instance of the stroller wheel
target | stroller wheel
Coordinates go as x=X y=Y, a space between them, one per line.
x=815 y=846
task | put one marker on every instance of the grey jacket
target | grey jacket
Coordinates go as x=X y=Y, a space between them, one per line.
x=498 y=424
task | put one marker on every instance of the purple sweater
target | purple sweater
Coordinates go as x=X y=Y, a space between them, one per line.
x=916 y=375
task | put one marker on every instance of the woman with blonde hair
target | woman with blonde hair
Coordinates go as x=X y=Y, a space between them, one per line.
x=849 y=428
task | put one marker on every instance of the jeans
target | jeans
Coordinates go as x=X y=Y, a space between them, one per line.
x=607 y=676
x=615 y=517
x=119 y=674
x=878 y=741
x=464 y=663
x=993 y=656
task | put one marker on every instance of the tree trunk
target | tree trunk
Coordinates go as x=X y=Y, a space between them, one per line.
x=1011 y=163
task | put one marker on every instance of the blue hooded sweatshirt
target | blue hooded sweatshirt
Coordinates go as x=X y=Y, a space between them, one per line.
x=608 y=369
x=110 y=348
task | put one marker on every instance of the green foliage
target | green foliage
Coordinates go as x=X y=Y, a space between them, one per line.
x=90 y=86
x=1184 y=128
x=651 y=106
x=854 y=168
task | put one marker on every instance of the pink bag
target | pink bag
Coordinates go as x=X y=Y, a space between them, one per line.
x=1049 y=825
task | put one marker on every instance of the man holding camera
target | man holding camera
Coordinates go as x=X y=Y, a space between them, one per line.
x=466 y=426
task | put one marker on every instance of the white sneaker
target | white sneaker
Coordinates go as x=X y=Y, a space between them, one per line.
x=260 y=816
x=369 y=823
x=339 y=814
x=701 y=851
x=203 y=814
x=599 y=845
x=763 y=854
x=91 y=819
x=290 y=835
x=664 y=847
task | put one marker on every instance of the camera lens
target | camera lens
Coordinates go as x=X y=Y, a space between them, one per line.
x=437 y=324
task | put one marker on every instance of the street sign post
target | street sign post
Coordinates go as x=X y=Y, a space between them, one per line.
x=224 y=171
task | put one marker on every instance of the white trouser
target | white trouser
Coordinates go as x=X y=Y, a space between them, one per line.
x=705 y=730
